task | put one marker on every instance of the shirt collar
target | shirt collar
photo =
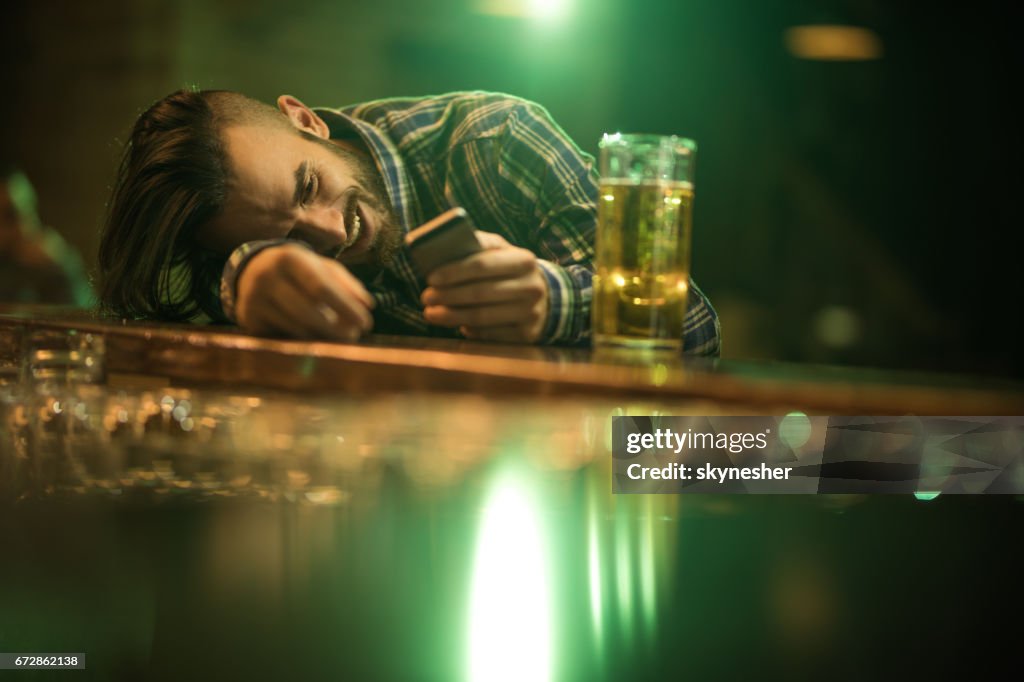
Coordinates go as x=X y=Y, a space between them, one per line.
x=385 y=155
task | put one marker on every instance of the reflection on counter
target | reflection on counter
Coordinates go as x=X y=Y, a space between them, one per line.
x=91 y=439
x=473 y=533
x=438 y=537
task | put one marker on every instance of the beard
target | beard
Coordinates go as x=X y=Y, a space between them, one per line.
x=372 y=192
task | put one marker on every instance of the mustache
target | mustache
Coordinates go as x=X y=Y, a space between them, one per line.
x=371 y=193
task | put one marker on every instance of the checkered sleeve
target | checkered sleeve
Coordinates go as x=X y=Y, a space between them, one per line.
x=236 y=262
x=702 y=332
x=522 y=176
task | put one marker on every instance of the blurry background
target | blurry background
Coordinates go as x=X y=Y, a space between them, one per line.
x=855 y=189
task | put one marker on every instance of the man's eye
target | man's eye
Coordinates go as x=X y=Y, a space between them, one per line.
x=309 y=191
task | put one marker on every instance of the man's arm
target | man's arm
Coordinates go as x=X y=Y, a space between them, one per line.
x=524 y=180
x=283 y=288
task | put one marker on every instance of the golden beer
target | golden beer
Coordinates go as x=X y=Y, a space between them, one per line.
x=643 y=263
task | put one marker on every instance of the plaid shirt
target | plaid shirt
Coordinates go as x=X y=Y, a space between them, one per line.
x=515 y=172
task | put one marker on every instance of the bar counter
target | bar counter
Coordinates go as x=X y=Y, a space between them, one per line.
x=221 y=356
x=180 y=502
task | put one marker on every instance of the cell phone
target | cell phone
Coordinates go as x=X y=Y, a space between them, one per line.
x=448 y=237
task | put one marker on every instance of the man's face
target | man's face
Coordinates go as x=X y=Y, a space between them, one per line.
x=286 y=183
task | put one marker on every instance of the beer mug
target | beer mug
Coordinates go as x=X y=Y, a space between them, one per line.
x=645 y=209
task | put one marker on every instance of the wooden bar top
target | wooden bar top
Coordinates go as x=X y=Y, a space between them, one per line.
x=223 y=356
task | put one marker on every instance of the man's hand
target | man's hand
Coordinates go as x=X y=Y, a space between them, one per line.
x=288 y=290
x=498 y=294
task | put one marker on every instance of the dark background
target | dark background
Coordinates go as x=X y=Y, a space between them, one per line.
x=848 y=212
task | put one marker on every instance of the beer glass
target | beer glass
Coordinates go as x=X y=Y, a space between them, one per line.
x=643 y=241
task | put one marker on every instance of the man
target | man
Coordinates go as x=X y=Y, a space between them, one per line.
x=296 y=217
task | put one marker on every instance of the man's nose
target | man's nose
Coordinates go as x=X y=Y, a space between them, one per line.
x=323 y=228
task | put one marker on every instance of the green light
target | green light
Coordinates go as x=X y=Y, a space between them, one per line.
x=594 y=565
x=548 y=10
x=510 y=604
x=926 y=496
x=624 y=513
x=545 y=11
x=648 y=577
x=795 y=429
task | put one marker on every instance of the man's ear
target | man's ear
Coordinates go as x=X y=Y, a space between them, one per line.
x=302 y=117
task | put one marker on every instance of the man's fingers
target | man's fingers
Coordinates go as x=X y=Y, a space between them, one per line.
x=490 y=240
x=525 y=289
x=308 y=319
x=273 y=319
x=482 y=316
x=328 y=286
x=350 y=281
x=490 y=264
x=498 y=294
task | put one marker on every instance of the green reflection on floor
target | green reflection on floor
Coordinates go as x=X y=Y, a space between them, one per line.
x=594 y=573
x=646 y=557
x=624 y=570
x=510 y=602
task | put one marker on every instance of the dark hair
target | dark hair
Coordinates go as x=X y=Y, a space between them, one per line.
x=172 y=180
